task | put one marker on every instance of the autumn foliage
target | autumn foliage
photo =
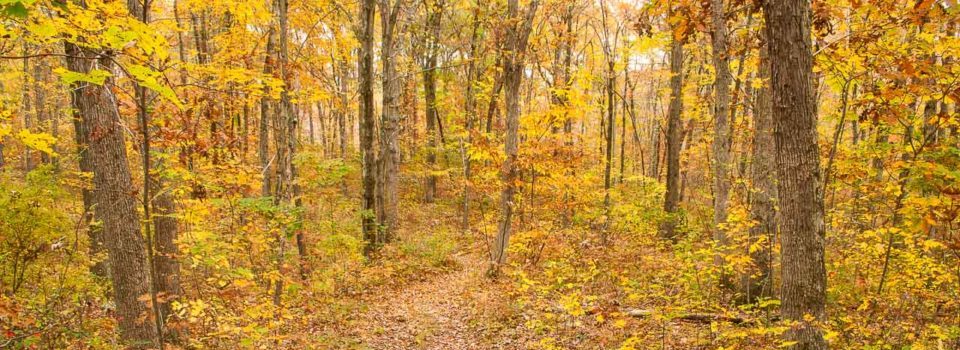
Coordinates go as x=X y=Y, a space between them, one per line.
x=509 y=174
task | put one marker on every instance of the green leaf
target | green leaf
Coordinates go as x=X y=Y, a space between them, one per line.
x=149 y=79
x=96 y=76
x=15 y=9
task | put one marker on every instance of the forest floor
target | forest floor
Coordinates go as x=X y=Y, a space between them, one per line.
x=450 y=310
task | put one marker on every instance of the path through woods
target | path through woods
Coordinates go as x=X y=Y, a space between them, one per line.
x=445 y=311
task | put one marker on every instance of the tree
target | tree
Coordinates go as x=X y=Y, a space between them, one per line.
x=721 y=136
x=390 y=121
x=434 y=18
x=371 y=235
x=804 y=282
x=756 y=283
x=469 y=102
x=672 y=199
x=514 y=51
x=102 y=134
x=610 y=56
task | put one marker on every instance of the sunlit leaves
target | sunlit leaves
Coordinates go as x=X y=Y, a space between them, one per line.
x=39 y=141
x=150 y=79
x=95 y=76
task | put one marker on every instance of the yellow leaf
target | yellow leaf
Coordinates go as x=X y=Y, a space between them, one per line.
x=41 y=141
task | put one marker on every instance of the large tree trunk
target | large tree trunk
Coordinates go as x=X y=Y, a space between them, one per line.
x=756 y=282
x=804 y=282
x=100 y=268
x=513 y=64
x=390 y=121
x=721 y=137
x=100 y=129
x=369 y=162
x=672 y=198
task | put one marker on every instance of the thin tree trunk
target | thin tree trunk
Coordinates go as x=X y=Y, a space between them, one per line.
x=609 y=51
x=468 y=106
x=515 y=47
x=623 y=124
x=313 y=133
x=369 y=163
x=672 y=198
x=40 y=69
x=568 y=41
x=158 y=207
x=343 y=109
x=288 y=189
x=757 y=283
x=323 y=130
x=435 y=14
x=721 y=137
x=804 y=281
x=611 y=139
x=26 y=109
x=263 y=149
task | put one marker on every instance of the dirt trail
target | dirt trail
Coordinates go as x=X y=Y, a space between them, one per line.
x=437 y=313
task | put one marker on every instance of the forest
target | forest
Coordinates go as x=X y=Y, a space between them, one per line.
x=480 y=174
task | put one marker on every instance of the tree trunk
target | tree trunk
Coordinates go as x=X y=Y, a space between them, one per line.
x=158 y=208
x=435 y=14
x=515 y=47
x=610 y=138
x=288 y=189
x=756 y=282
x=672 y=198
x=263 y=149
x=40 y=69
x=721 y=137
x=26 y=110
x=100 y=129
x=469 y=114
x=343 y=108
x=623 y=124
x=804 y=282
x=390 y=121
x=568 y=42
x=369 y=162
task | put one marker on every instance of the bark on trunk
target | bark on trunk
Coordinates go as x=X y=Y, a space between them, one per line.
x=756 y=282
x=515 y=48
x=369 y=163
x=430 y=98
x=798 y=163
x=26 y=109
x=263 y=149
x=672 y=198
x=100 y=129
x=390 y=121
x=721 y=137
x=469 y=106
